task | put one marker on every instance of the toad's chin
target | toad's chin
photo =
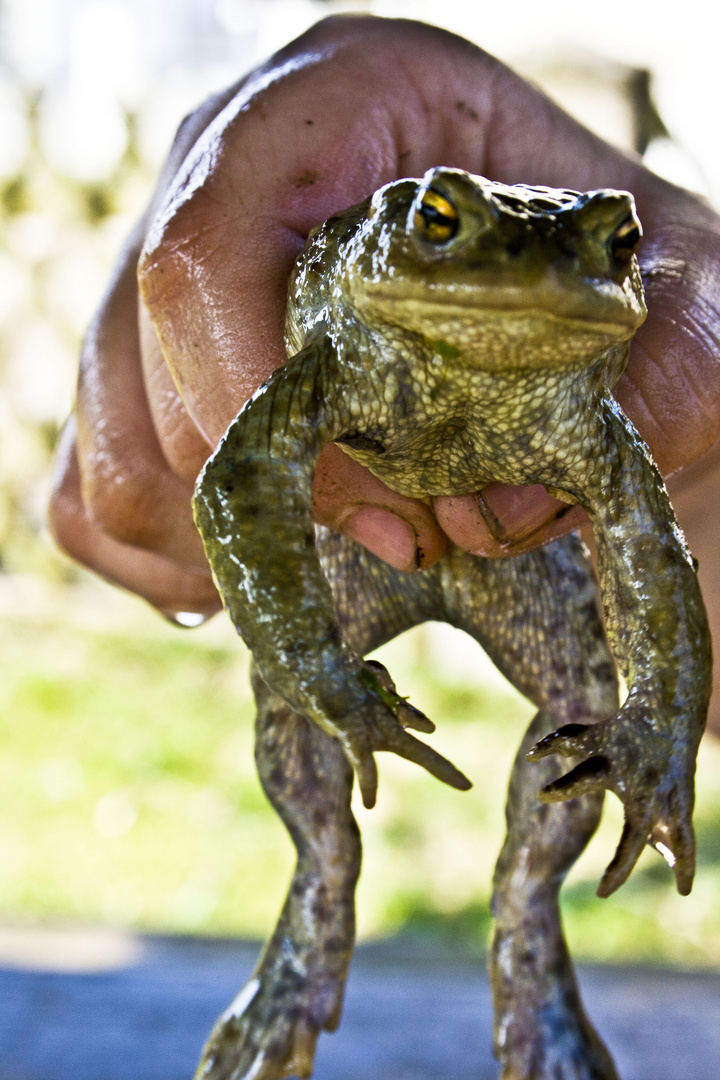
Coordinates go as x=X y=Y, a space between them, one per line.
x=509 y=336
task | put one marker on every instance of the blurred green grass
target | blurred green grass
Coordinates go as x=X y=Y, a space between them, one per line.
x=128 y=792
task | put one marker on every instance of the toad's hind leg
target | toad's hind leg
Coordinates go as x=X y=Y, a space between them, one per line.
x=537 y=615
x=296 y=990
x=541 y=1029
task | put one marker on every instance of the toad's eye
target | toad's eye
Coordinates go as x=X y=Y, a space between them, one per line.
x=436 y=218
x=626 y=238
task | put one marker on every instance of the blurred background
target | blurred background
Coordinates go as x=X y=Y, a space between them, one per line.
x=128 y=794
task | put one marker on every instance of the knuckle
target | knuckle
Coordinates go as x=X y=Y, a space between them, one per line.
x=124 y=509
x=175 y=244
x=64 y=519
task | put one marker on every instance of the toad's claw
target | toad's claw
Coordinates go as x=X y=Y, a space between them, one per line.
x=376 y=676
x=387 y=733
x=364 y=766
x=633 y=839
x=676 y=844
x=645 y=770
x=589 y=775
x=566 y=741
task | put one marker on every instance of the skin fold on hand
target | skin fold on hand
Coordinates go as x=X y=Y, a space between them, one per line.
x=354 y=103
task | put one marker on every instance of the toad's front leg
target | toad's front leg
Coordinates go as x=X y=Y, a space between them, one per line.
x=253 y=507
x=658 y=632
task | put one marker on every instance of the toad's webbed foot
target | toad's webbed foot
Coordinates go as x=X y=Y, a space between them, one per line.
x=269 y=1032
x=541 y=1030
x=651 y=773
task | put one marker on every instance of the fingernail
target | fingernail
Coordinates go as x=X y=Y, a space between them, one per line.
x=385 y=534
x=514 y=513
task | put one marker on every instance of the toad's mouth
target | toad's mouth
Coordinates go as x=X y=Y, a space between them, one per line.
x=605 y=308
x=481 y=319
x=511 y=315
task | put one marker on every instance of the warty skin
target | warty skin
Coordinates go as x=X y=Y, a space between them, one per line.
x=449 y=333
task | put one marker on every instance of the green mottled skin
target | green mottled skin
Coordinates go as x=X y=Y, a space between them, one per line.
x=445 y=364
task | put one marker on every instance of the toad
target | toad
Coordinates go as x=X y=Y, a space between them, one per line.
x=448 y=333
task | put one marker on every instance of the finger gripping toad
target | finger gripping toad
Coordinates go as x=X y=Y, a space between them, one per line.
x=448 y=333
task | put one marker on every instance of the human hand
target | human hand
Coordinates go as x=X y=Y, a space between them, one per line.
x=353 y=104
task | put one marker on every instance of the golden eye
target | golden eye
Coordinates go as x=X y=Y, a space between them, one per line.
x=625 y=239
x=436 y=218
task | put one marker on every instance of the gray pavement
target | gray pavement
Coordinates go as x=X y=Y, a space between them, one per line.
x=412 y=1013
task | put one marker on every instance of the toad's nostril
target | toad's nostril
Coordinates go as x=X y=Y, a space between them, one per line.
x=624 y=241
x=602 y=213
